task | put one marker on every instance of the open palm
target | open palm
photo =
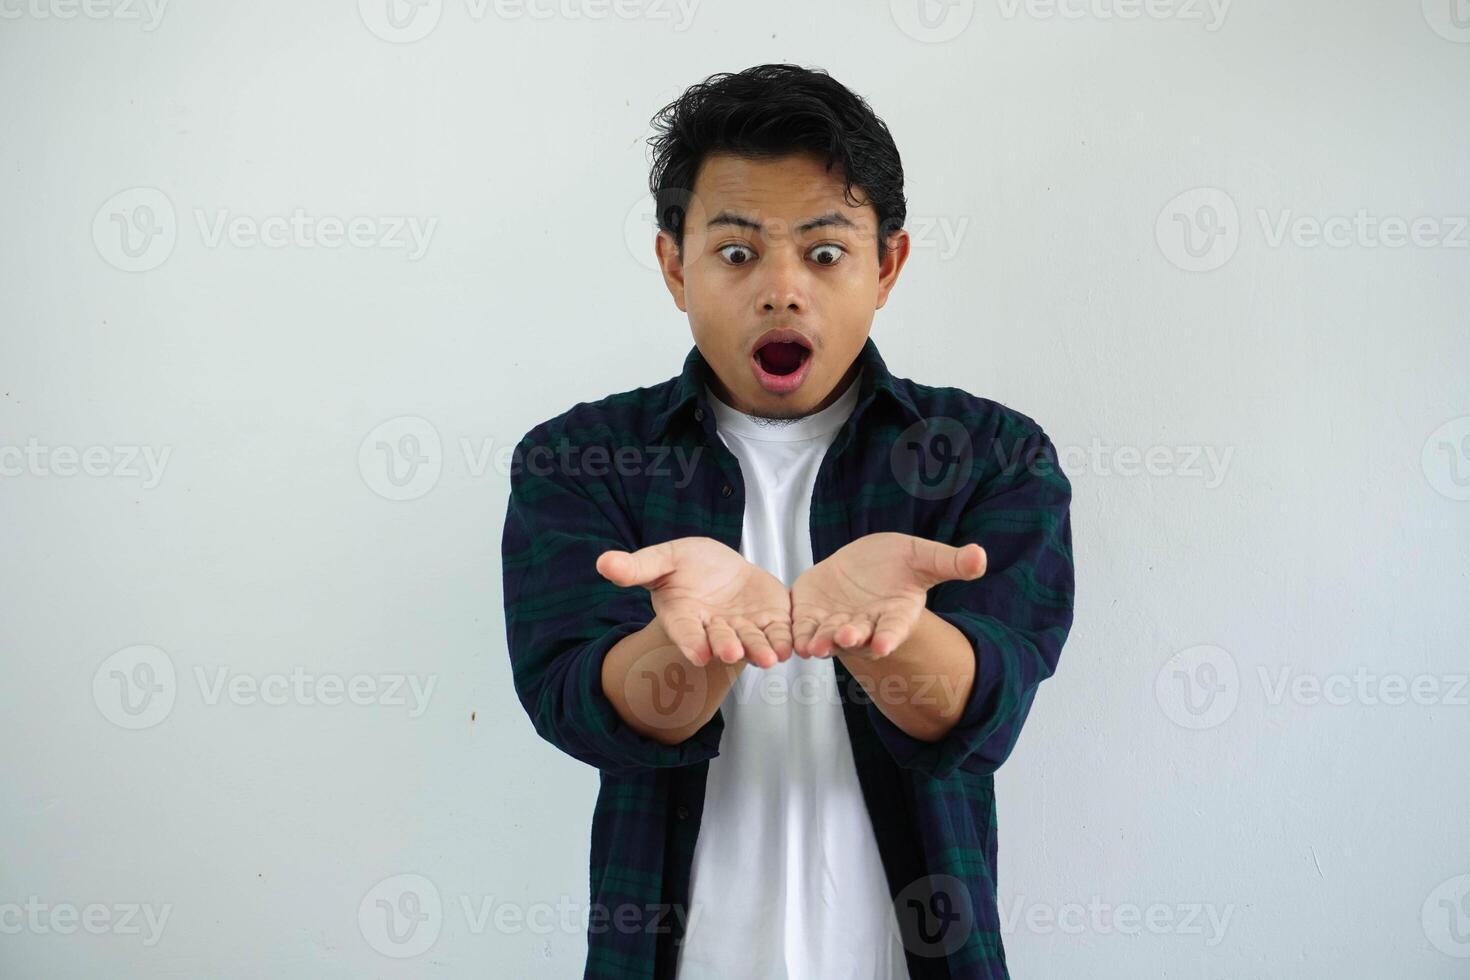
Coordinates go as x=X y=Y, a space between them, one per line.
x=710 y=600
x=867 y=596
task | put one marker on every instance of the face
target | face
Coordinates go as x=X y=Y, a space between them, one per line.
x=780 y=278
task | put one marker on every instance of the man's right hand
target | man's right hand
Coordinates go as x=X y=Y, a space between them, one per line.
x=709 y=599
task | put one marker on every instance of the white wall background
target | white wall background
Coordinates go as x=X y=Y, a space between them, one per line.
x=1238 y=828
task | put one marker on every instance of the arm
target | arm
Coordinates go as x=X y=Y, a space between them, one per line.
x=657 y=692
x=714 y=613
x=1014 y=620
x=951 y=660
x=924 y=683
x=562 y=618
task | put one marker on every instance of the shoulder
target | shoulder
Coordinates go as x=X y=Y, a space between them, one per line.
x=622 y=418
x=983 y=418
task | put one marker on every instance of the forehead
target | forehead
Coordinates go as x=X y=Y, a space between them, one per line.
x=794 y=188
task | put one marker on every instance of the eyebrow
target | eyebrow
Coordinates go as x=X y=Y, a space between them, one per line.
x=831 y=218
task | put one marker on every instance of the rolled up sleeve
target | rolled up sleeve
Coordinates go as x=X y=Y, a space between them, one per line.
x=1016 y=616
x=562 y=616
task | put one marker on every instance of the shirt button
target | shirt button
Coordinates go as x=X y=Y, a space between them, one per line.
x=699 y=415
x=726 y=490
x=682 y=813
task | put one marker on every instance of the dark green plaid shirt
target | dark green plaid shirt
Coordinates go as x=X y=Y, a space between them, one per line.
x=644 y=466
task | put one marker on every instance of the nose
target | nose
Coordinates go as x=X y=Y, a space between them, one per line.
x=783 y=286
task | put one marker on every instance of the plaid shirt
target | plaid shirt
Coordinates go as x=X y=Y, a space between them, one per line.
x=644 y=466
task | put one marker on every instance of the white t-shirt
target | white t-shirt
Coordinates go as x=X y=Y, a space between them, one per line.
x=786 y=867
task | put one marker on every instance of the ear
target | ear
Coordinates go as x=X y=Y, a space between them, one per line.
x=888 y=269
x=672 y=265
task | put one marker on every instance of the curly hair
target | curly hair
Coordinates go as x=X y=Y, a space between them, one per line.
x=769 y=111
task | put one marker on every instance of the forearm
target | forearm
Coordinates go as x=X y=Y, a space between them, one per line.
x=657 y=691
x=922 y=686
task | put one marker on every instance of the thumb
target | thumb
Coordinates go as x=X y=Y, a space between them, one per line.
x=641 y=567
x=943 y=562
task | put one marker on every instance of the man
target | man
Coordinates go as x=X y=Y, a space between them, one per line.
x=792 y=607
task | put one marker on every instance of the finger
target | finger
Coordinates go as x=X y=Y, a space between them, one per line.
x=854 y=633
x=642 y=567
x=778 y=634
x=889 y=633
x=822 y=641
x=687 y=633
x=723 y=642
x=803 y=628
x=757 y=648
x=942 y=562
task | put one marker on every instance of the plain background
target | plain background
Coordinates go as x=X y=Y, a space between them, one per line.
x=1259 y=719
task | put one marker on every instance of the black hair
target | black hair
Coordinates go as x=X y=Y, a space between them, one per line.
x=770 y=111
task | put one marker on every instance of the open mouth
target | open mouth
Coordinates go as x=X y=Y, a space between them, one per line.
x=781 y=360
x=782 y=357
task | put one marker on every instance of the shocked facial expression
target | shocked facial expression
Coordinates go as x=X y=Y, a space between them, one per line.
x=780 y=277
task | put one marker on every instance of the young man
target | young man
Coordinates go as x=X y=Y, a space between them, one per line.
x=794 y=608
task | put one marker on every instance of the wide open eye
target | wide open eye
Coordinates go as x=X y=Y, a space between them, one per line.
x=828 y=253
x=725 y=250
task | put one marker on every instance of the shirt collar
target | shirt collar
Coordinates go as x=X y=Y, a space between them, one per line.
x=876 y=383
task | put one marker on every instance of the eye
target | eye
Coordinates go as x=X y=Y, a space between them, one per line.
x=835 y=251
x=725 y=251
